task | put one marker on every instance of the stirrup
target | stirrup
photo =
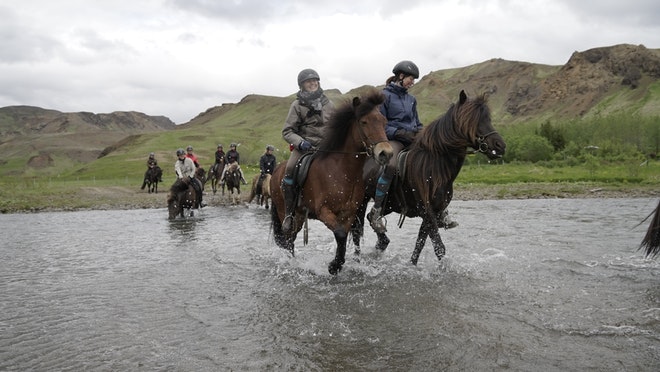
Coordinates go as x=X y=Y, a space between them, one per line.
x=287 y=223
x=377 y=220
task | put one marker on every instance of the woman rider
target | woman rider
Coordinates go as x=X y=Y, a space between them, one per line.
x=400 y=109
x=303 y=130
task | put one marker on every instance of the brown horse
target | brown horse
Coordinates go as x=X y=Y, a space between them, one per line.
x=215 y=171
x=334 y=186
x=183 y=196
x=261 y=189
x=424 y=188
x=233 y=182
x=151 y=178
x=651 y=241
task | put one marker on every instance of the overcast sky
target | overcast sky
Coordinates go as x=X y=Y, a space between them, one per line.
x=179 y=57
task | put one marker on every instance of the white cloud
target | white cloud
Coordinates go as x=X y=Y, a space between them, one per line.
x=179 y=57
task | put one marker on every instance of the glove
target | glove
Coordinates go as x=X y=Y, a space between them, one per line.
x=405 y=136
x=304 y=146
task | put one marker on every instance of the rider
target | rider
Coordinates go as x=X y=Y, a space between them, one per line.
x=232 y=157
x=303 y=130
x=400 y=109
x=192 y=156
x=184 y=168
x=151 y=163
x=267 y=162
x=219 y=158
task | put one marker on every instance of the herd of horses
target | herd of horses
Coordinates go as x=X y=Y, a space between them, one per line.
x=337 y=181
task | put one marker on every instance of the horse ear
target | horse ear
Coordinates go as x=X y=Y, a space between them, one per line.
x=462 y=97
x=356 y=101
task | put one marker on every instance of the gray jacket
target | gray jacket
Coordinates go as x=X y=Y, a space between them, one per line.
x=300 y=126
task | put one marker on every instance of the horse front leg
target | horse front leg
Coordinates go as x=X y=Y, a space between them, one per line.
x=421 y=240
x=341 y=237
x=438 y=245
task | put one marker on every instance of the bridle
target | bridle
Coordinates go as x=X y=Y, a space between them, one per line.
x=482 y=145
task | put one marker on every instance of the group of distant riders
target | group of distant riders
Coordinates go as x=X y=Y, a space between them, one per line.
x=187 y=163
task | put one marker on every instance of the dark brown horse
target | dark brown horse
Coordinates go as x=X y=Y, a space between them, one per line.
x=233 y=182
x=183 y=196
x=334 y=186
x=261 y=189
x=424 y=188
x=151 y=178
x=215 y=172
x=651 y=241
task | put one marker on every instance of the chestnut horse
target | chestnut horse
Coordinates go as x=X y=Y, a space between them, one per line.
x=260 y=190
x=215 y=171
x=334 y=186
x=424 y=188
x=183 y=196
x=651 y=241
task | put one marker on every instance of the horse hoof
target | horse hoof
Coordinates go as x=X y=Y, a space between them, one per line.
x=335 y=267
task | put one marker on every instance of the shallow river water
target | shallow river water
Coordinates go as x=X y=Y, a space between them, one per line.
x=527 y=285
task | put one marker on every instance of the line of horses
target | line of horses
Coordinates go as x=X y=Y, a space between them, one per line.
x=341 y=176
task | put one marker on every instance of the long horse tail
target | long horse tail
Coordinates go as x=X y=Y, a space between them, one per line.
x=651 y=241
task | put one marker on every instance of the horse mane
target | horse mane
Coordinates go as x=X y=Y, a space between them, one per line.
x=339 y=125
x=440 y=149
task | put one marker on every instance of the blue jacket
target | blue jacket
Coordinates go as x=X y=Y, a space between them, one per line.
x=400 y=109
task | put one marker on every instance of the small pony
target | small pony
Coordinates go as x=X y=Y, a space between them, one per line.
x=183 y=196
x=151 y=178
x=261 y=190
x=334 y=186
x=233 y=182
x=424 y=187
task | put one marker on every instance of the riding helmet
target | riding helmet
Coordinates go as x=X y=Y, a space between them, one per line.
x=307 y=74
x=219 y=145
x=151 y=154
x=232 y=145
x=406 y=67
x=189 y=148
x=180 y=152
x=271 y=148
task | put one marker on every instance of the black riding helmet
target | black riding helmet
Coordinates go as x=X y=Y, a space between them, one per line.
x=406 y=67
x=307 y=74
x=180 y=152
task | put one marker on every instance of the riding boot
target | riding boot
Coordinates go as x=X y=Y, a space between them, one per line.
x=375 y=216
x=289 y=191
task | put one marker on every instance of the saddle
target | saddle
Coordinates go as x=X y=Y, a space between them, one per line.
x=302 y=168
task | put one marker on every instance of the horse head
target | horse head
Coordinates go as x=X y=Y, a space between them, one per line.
x=371 y=127
x=475 y=116
x=361 y=122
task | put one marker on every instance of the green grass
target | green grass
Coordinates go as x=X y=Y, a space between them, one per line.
x=111 y=185
x=619 y=173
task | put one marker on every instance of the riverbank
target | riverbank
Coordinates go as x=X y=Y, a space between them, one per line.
x=122 y=197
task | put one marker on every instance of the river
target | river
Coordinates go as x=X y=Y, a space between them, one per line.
x=527 y=285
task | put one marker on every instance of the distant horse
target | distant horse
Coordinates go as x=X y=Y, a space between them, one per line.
x=651 y=241
x=424 y=187
x=233 y=182
x=261 y=189
x=215 y=172
x=334 y=186
x=151 y=178
x=182 y=195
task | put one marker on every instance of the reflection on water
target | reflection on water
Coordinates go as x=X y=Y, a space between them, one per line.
x=526 y=285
